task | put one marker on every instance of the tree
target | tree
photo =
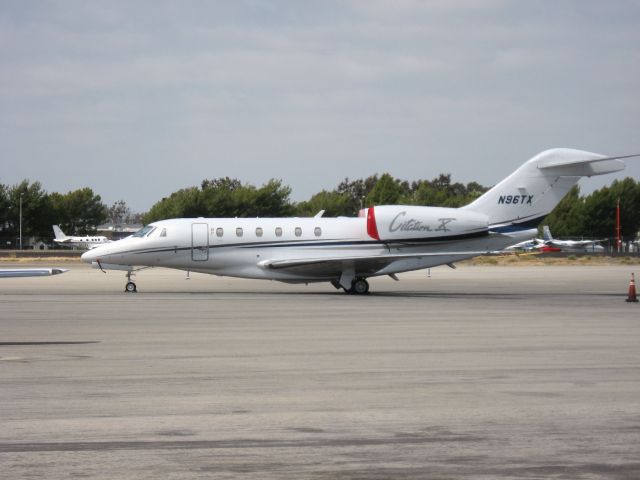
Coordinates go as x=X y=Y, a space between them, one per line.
x=356 y=192
x=36 y=211
x=594 y=215
x=567 y=219
x=119 y=213
x=225 y=197
x=6 y=226
x=440 y=192
x=600 y=210
x=333 y=203
x=182 y=203
x=78 y=212
x=271 y=200
x=387 y=191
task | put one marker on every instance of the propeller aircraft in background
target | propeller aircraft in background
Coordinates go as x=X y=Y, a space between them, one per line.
x=87 y=241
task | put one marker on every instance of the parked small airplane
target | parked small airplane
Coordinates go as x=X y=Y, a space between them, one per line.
x=88 y=241
x=526 y=246
x=570 y=245
x=30 y=272
x=383 y=240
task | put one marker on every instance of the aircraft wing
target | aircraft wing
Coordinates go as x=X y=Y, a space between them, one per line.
x=571 y=243
x=585 y=243
x=363 y=265
x=30 y=272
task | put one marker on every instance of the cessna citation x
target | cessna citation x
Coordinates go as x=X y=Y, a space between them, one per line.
x=383 y=240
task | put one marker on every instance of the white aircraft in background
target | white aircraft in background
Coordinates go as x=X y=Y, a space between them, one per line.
x=383 y=240
x=526 y=246
x=30 y=272
x=88 y=241
x=571 y=245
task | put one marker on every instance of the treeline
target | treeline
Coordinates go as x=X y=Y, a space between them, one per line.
x=594 y=215
x=227 y=197
x=81 y=211
x=77 y=212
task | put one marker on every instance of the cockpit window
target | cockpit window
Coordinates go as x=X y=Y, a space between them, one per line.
x=144 y=231
x=163 y=233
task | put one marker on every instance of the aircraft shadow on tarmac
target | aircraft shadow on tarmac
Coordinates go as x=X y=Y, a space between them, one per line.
x=395 y=294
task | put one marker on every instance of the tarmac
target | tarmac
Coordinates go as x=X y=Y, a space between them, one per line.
x=479 y=372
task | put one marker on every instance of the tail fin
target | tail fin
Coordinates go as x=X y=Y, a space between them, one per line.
x=59 y=233
x=529 y=194
x=546 y=234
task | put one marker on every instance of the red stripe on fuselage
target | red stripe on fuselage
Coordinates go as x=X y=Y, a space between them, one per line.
x=372 y=228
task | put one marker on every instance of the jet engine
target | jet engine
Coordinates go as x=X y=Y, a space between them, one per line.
x=405 y=222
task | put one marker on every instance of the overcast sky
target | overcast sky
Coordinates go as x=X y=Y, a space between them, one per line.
x=137 y=99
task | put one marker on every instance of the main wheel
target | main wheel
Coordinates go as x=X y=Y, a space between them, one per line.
x=360 y=286
x=130 y=287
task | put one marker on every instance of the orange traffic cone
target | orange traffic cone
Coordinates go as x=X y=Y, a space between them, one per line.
x=632 y=290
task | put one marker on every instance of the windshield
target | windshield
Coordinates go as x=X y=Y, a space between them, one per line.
x=144 y=231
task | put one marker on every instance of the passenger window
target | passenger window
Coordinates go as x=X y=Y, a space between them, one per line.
x=298 y=232
x=163 y=233
x=219 y=232
x=238 y=232
x=258 y=232
x=278 y=231
x=317 y=231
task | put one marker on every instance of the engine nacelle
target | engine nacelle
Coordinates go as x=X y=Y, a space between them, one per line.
x=400 y=222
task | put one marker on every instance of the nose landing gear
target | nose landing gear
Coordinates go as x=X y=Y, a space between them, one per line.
x=130 y=287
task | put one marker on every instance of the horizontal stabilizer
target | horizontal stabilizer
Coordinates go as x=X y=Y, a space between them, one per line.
x=581 y=167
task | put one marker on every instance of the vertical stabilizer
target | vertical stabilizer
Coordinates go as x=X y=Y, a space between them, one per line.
x=59 y=233
x=529 y=194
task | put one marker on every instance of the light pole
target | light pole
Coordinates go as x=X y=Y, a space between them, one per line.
x=21 y=194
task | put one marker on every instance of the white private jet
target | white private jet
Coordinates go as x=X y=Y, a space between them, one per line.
x=30 y=272
x=383 y=240
x=571 y=245
x=88 y=241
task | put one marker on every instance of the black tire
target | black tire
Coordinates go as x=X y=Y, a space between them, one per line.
x=360 y=286
x=130 y=287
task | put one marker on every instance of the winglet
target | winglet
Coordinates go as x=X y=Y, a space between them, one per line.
x=372 y=228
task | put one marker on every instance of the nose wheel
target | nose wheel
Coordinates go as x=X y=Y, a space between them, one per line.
x=130 y=287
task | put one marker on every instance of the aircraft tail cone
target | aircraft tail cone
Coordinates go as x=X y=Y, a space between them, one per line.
x=632 y=290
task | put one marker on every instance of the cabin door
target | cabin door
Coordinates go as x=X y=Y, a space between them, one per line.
x=199 y=242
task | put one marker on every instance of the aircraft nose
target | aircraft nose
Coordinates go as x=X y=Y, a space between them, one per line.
x=88 y=256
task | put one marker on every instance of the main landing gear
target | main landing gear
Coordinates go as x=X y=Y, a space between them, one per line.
x=359 y=286
x=130 y=287
x=351 y=285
